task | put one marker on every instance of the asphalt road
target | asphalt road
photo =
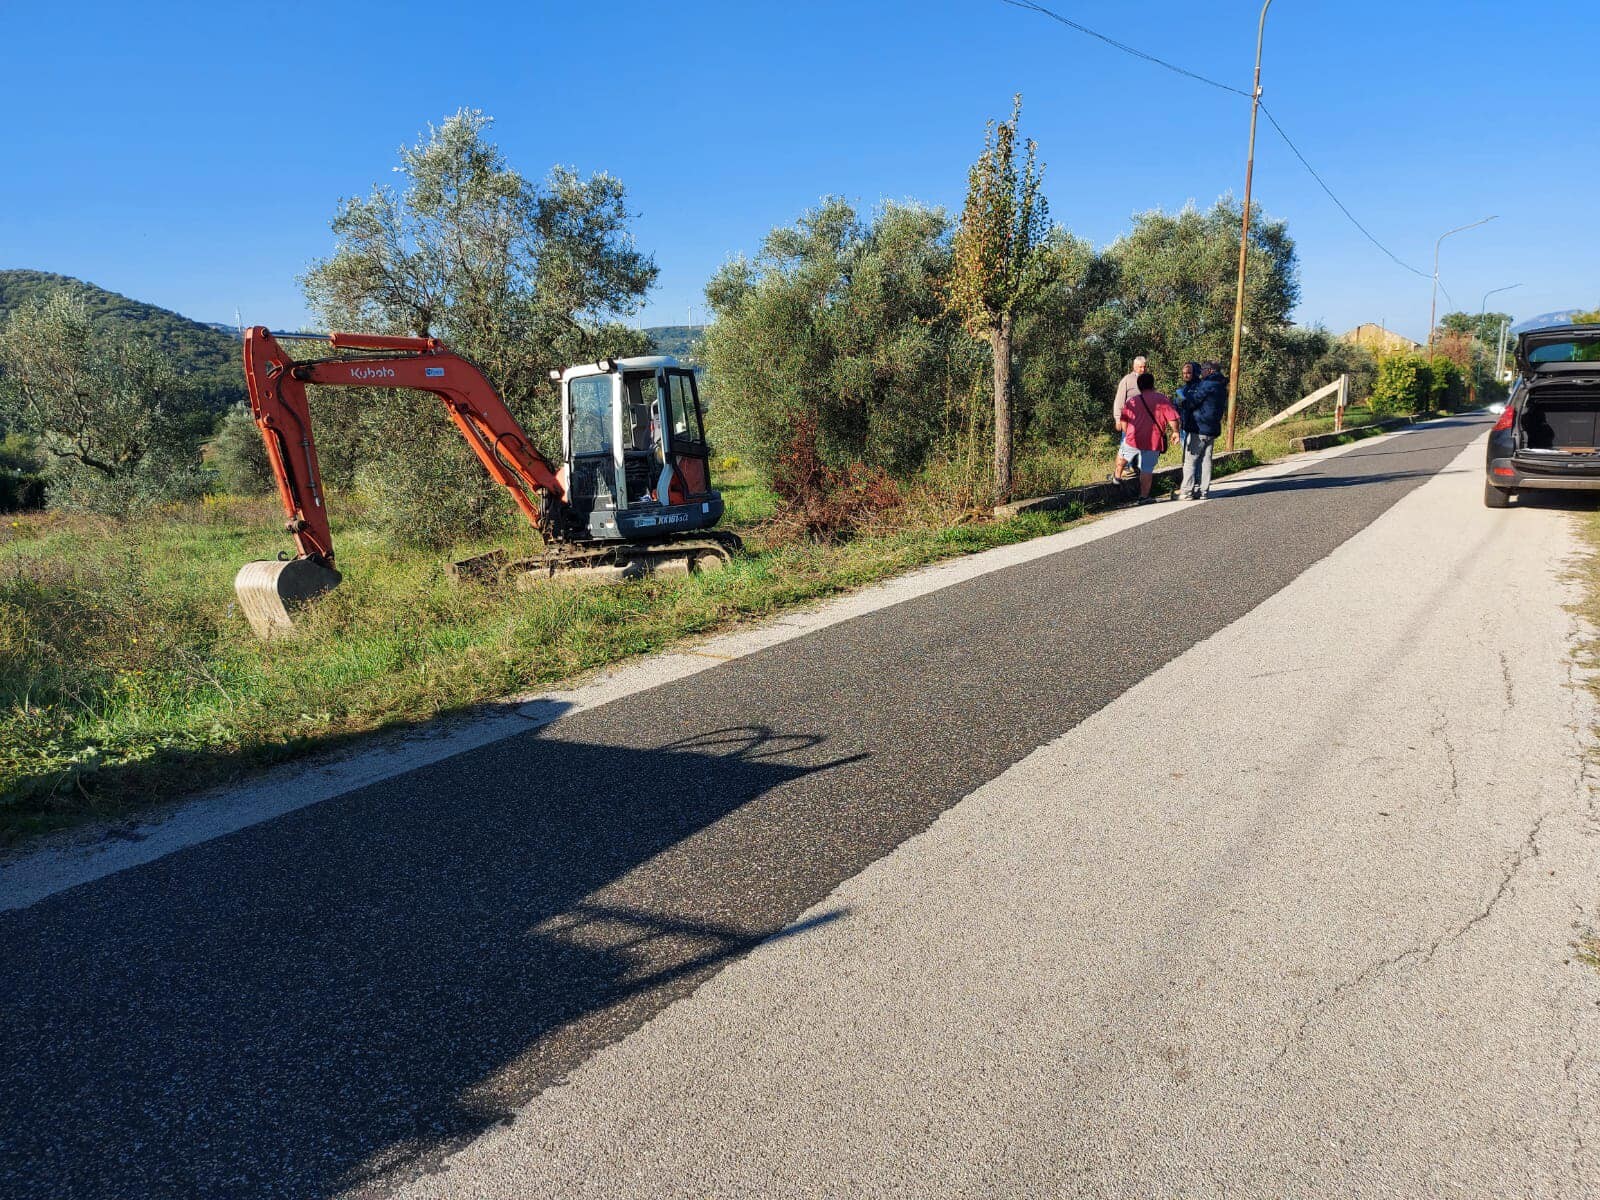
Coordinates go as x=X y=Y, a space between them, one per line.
x=339 y=998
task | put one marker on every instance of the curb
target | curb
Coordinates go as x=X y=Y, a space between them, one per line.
x=1097 y=496
x=1321 y=441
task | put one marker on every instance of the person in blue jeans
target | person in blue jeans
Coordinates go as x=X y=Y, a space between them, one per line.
x=1201 y=406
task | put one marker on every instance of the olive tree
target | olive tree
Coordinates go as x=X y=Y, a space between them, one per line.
x=833 y=346
x=1174 y=298
x=1064 y=348
x=518 y=276
x=239 y=454
x=118 y=425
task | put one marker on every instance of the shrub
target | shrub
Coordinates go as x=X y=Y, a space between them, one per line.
x=1402 y=386
x=20 y=490
x=823 y=500
x=22 y=483
x=1342 y=358
x=240 y=456
x=1447 y=385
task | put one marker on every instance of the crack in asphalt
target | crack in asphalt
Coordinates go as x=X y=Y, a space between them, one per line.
x=1528 y=848
x=1583 y=792
x=1441 y=731
x=1574 y=1111
x=1580 y=633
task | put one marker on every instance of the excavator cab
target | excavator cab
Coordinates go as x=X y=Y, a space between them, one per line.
x=633 y=437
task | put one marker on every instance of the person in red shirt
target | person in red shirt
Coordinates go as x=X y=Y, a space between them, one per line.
x=1151 y=421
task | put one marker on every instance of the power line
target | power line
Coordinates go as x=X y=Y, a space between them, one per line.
x=1289 y=142
x=1126 y=49
x=1030 y=6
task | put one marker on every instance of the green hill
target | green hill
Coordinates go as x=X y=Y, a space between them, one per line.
x=208 y=354
x=675 y=340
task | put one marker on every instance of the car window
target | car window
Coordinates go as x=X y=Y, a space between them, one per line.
x=1560 y=352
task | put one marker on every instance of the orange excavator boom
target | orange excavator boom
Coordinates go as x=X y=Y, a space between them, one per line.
x=277 y=385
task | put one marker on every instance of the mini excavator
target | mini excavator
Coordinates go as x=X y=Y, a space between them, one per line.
x=632 y=497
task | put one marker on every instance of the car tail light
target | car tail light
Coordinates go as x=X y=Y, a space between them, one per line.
x=1506 y=418
x=1502 y=471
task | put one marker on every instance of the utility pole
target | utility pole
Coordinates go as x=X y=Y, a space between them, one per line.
x=1433 y=306
x=1244 y=230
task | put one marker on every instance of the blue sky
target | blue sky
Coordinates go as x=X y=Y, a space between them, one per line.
x=191 y=155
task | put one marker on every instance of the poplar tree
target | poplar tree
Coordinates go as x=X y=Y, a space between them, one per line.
x=999 y=262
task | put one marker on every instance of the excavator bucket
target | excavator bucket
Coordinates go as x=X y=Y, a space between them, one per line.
x=271 y=591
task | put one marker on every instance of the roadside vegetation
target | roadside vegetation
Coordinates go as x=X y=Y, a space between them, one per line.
x=875 y=381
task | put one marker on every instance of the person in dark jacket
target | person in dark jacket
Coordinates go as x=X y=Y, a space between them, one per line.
x=1183 y=397
x=1201 y=409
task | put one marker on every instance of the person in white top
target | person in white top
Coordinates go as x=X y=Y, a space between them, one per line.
x=1127 y=387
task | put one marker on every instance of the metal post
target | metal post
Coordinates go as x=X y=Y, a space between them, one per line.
x=1344 y=398
x=1244 y=230
x=1500 y=356
x=1433 y=305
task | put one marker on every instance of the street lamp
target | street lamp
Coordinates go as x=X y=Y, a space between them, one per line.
x=1244 y=230
x=1477 y=332
x=1484 y=304
x=1433 y=306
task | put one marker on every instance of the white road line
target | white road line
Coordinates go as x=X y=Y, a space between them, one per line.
x=66 y=861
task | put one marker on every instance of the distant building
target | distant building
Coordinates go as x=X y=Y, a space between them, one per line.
x=1379 y=340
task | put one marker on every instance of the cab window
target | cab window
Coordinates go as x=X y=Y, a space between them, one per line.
x=590 y=398
x=685 y=408
x=640 y=392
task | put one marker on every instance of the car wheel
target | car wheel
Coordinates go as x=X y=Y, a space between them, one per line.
x=1494 y=497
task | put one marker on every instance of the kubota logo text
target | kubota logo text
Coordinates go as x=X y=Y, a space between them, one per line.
x=371 y=372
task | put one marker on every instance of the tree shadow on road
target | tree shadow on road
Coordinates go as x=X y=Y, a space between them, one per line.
x=343 y=993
